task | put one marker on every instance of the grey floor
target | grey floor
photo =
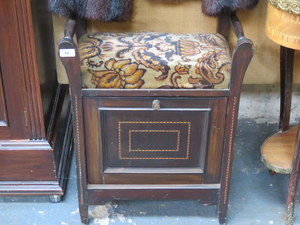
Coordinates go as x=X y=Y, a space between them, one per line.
x=255 y=197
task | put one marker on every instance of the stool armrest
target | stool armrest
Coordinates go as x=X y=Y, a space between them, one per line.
x=69 y=56
x=241 y=57
x=237 y=26
x=242 y=54
x=70 y=28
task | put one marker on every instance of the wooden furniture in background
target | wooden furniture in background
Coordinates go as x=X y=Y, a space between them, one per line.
x=35 y=128
x=281 y=152
x=104 y=119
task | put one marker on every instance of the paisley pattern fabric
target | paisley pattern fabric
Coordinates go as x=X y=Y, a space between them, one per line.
x=292 y=6
x=154 y=60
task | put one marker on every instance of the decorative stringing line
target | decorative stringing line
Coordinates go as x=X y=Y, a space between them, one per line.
x=171 y=122
x=155 y=150
x=78 y=149
x=229 y=153
x=152 y=122
x=120 y=153
x=188 y=142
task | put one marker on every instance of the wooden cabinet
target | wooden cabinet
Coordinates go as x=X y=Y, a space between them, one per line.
x=35 y=138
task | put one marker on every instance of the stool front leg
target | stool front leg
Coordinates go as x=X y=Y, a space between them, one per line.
x=69 y=57
x=241 y=58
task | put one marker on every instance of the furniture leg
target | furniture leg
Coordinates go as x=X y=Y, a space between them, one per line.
x=286 y=86
x=293 y=183
x=241 y=57
x=72 y=66
x=224 y=193
x=84 y=213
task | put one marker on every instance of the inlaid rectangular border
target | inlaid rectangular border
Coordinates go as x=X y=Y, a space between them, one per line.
x=120 y=123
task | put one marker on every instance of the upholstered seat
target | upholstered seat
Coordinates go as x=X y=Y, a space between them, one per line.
x=154 y=60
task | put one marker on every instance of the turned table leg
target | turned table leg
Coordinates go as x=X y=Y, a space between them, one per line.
x=293 y=183
x=286 y=86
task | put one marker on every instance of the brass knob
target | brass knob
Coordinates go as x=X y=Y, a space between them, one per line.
x=156 y=104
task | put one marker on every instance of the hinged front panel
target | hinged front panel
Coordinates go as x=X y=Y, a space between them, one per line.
x=142 y=138
x=133 y=141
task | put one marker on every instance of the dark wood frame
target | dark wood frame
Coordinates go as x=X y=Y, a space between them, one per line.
x=95 y=194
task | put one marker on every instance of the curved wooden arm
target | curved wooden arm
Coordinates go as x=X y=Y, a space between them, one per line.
x=242 y=54
x=69 y=56
x=237 y=26
x=70 y=28
x=241 y=58
x=224 y=23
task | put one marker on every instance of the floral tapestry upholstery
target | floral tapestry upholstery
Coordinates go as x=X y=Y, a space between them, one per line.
x=154 y=60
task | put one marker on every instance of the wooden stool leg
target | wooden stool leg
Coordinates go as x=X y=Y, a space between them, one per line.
x=84 y=214
x=286 y=86
x=293 y=183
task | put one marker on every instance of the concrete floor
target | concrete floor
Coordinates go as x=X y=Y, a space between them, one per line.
x=255 y=198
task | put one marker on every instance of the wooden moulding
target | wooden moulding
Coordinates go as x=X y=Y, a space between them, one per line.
x=283 y=27
x=98 y=194
x=277 y=152
x=21 y=172
x=40 y=167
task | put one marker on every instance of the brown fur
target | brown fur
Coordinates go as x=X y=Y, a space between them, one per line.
x=97 y=9
x=216 y=7
x=120 y=10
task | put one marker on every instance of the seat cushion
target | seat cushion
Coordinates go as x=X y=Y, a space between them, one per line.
x=154 y=60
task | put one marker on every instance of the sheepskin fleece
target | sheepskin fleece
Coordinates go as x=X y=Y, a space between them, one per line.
x=121 y=10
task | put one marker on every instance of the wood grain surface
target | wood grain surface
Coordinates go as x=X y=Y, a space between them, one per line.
x=283 y=27
x=278 y=151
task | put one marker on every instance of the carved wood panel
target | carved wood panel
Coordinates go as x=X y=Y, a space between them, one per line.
x=20 y=103
x=12 y=83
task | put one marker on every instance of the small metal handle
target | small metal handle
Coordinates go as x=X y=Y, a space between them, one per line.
x=156 y=104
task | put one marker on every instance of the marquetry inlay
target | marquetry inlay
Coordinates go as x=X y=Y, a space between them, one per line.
x=134 y=133
x=283 y=27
